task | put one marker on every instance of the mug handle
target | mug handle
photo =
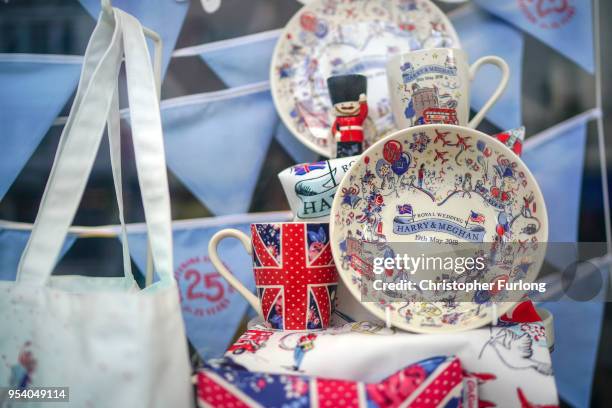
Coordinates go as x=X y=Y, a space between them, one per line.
x=218 y=264
x=503 y=66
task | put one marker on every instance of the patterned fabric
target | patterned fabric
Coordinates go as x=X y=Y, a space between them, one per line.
x=295 y=274
x=435 y=382
x=497 y=361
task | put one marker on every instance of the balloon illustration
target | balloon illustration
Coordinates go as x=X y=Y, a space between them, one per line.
x=380 y=164
x=400 y=166
x=392 y=151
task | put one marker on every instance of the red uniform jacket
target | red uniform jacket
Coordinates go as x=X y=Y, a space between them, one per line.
x=349 y=128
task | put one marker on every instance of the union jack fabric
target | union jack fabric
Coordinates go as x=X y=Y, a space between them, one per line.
x=433 y=383
x=295 y=274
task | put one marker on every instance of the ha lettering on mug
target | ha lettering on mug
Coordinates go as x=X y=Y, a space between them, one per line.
x=310 y=187
x=295 y=275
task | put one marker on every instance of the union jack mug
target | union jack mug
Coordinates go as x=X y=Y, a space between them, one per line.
x=295 y=275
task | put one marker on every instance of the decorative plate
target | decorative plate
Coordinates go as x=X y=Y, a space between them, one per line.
x=441 y=183
x=327 y=38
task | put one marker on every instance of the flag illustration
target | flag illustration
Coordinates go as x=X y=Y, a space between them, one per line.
x=294 y=267
x=477 y=217
x=305 y=168
x=405 y=209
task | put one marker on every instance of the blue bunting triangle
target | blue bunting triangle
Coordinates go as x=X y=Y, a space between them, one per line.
x=556 y=159
x=481 y=34
x=296 y=149
x=12 y=244
x=165 y=17
x=566 y=26
x=33 y=91
x=243 y=60
x=216 y=144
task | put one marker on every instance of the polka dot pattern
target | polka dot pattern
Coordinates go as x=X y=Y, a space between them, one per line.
x=321 y=295
x=338 y=393
x=268 y=298
x=214 y=395
x=296 y=275
x=439 y=388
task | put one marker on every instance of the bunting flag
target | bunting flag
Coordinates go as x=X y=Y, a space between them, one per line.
x=577 y=332
x=245 y=60
x=480 y=34
x=216 y=143
x=238 y=61
x=12 y=244
x=296 y=149
x=212 y=310
x=165 y=17
x=33 y=91
x=565 y=25
x=556 y=158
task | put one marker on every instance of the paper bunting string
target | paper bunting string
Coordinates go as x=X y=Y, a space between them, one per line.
x=165 y=17
x=212 y=310
x=33 y=91
x=216 y=143
x=566 y=26
x=12 y=244
x=481 y=34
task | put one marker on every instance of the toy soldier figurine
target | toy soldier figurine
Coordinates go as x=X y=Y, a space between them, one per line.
x=348 y=95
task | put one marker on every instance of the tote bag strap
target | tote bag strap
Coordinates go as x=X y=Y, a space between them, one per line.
x=80 y=142
x=148 y=145
x=75 y=155
x=114 y=142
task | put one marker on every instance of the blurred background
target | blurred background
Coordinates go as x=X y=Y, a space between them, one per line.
x=553 y=89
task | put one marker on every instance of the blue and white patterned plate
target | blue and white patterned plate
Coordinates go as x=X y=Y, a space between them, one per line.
x=328 y=37
x=447 y=184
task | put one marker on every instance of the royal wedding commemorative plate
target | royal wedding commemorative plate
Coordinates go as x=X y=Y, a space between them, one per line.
x=441 y=186
x=328 y=38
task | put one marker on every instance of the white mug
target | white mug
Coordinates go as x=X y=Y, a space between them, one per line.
x=433 y=86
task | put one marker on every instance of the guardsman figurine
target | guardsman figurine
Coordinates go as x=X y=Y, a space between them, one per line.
x=348 y=95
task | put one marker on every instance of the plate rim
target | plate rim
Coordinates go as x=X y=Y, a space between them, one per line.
x=370 y=306
x=284 y=116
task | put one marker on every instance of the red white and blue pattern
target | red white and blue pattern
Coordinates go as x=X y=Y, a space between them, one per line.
x=433 y=383
x=295 y=274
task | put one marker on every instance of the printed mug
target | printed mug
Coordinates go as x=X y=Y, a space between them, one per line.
x=433 y=86
x=295 y=275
